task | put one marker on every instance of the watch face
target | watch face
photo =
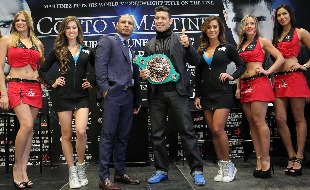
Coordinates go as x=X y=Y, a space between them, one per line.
x=159 y=68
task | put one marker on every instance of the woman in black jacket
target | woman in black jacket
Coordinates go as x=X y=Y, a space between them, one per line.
x=71 y=92
x=214 y=94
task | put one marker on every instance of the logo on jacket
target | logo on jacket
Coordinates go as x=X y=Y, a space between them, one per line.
x=86 y=51
x=222 y=49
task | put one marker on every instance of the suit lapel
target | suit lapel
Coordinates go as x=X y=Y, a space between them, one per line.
x=122 y=47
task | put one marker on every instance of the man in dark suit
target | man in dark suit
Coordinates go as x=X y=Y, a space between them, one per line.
x=119 y=91
x=173 y=96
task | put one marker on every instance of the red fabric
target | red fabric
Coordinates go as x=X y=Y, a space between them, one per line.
x=20 y=57
x=257 y=55
x=26 y=92
x=291 y=85
x=257 y=89
x=290 y=48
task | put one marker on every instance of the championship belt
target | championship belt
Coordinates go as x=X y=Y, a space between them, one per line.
x=160 y=67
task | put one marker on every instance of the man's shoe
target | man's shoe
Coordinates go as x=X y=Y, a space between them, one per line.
x=126 y=179
x=108 y=185
x=158 y=176
x=199 y=180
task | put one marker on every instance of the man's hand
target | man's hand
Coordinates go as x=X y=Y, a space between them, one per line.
x=144 y=74
x=184 y=39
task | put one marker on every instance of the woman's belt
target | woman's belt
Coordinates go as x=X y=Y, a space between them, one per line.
x=252 y=77
x=286 y=72
x=22 y=80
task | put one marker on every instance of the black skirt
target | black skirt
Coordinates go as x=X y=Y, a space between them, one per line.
x=216 y=101
x=63 y=104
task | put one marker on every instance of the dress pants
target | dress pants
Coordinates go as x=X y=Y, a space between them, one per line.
x=116 y=125
x=179 y=106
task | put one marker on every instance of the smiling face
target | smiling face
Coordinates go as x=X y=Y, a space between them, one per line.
x=21 y=25
x=235 y=13
x=125 y=26
x=71 y=30
x=250 y=26
x=283 y=16
x=213 y=29
x=162 y=21
x=8 y=9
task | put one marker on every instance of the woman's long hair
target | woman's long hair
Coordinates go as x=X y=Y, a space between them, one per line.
x=15 y=36
x=242 y=33
x=278 y=28
x=61 y=42
x=204 y=39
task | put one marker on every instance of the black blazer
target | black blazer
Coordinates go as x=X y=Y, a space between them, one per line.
x=179 y=56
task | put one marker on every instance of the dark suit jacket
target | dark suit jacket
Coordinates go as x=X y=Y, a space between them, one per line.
x=179 y=56
x=113 y=68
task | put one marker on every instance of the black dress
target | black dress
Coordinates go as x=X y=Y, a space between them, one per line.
x=71 y=96
x=213 y=93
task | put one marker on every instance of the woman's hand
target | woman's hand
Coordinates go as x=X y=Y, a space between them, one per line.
x=60 y=81
x=197 y=103
x=298 y=66
x=86 y=84
x=237 y=94
x=224 y=76
x=260 y=71
x=4 y=101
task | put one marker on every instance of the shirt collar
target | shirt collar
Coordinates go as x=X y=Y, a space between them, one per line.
x=121 y=37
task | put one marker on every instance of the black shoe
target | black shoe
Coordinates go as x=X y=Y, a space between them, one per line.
x=297 y=172
x=267 y=173
x=19 y=186
x=28 y=184
x=287 y=170
x=256 y=173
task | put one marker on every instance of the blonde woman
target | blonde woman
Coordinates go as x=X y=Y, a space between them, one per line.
x=24 y=52
x=256 y=90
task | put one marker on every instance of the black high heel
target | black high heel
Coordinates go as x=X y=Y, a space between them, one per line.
x=256 y=173
x=28 y=184
x=19 y=186
x=267 y=173
x=297 y=172
x=287 y=170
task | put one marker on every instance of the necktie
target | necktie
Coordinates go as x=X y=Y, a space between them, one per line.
x=125 y=42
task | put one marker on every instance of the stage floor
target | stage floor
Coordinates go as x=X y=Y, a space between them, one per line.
x=179 y=178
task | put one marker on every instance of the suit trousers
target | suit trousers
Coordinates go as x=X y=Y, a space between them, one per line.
x=179 y=105
x=116 y=126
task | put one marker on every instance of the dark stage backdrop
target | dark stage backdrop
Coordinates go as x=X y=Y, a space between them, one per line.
x=99 y=17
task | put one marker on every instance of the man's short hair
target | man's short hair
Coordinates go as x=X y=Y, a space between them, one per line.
x=251 y=2
x=164 y=9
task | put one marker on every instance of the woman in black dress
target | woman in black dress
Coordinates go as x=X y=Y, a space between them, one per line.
x=214 y=94
x=72 y=94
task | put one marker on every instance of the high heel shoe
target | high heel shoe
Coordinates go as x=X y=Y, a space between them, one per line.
x=297 y=172
x=267 y=173
x=256 y=173
x=28 y=184
x=19 y=186
x=287 y=170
